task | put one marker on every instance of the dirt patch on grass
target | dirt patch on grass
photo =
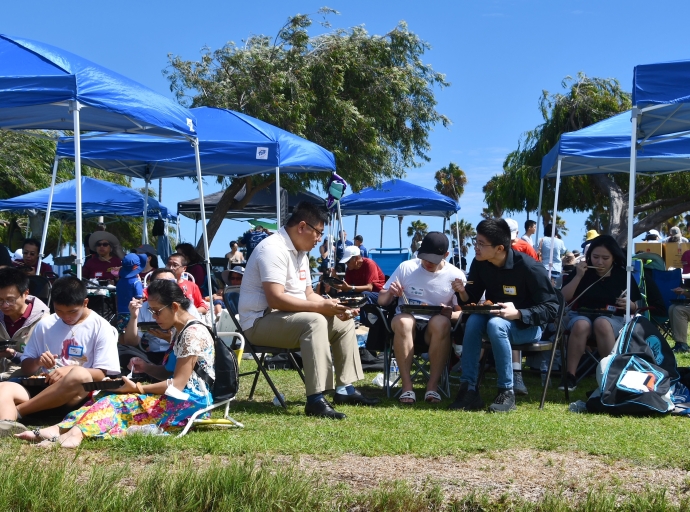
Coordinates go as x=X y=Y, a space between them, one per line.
x=528 y=474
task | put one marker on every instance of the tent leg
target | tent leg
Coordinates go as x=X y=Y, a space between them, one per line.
x=400 y=219
x=207 y=258
x=457 y=231
x=381 y=243
x=444 y=226
x=144 y=231
x=631 y=208
x=356 y=221
x=75 y=107
x=541 y=195
x=44 y=236
x=555 y=215
x=278 y=197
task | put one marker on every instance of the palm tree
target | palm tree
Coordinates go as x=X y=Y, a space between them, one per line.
x=451 y=181
x=466 y=231
x=417 y=230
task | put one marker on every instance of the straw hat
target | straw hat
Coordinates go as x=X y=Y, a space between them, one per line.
x=97 y=236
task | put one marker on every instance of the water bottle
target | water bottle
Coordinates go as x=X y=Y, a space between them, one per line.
x=544 y=372
x=395 y=372
x=276 y=402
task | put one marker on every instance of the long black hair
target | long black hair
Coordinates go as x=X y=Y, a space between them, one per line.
x=610 y=244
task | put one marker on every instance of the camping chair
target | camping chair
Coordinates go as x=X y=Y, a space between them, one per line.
x=39 y=286
x=231 y=299
x=231 y=339
x=665 y=281
x=389 y=259
x=379 y=321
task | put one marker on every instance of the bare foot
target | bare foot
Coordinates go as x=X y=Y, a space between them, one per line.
x=71 y=439
x=46 y=434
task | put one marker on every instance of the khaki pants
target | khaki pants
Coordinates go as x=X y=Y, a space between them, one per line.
x=679 y=315
x=315 y=335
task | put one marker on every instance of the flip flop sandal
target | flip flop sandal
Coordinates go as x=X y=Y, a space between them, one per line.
x=41 y=437
x=407 y=395
x=432 y=397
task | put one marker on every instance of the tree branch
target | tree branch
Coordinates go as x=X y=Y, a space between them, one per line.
x=657 y=203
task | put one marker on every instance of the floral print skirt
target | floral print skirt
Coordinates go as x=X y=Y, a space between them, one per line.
x=111 y=415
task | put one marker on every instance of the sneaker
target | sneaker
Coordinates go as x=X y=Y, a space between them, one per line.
x=570 y=381
x=519 y=387
x=504 y=402
x=9 y=428
x=681 y=347
x=467 y=400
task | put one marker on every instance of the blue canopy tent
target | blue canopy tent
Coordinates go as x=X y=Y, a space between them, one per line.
x=605 y=148
x=45 y=88
x=102 y=198
x=398 y=197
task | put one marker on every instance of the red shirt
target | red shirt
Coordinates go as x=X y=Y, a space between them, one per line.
x=369 y=272
x=96 y=268
x=192 y=292
x=521 y=245
x=685 y=258
x=13 y=327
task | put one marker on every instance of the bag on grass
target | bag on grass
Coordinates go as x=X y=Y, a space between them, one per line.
x=227 y=382
x=637 y=377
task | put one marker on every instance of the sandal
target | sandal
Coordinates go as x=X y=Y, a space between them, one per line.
x=432 y=397
x=407 y=395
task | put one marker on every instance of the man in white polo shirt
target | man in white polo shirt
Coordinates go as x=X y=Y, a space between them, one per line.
x=278 y=308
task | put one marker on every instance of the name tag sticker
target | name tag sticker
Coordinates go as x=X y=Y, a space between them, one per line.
x=302 y=275
x=509 y=290
x=98 y=274
x=75 y=351
x=416 y=291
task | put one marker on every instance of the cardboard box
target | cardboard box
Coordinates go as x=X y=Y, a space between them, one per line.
x=653 y=247
x=672 y=254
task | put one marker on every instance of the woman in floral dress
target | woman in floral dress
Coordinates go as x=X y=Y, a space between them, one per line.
x=167 y=404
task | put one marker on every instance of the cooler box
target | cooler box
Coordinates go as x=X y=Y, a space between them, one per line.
x=673 y=252
x=653 y=247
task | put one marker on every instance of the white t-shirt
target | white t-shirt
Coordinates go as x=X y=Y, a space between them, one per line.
x=91 y=343
x=158 y=344
x=528 y=239
x=424 y=287
x=275 y=260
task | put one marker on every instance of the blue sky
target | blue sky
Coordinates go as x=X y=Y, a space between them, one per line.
x=498 y=56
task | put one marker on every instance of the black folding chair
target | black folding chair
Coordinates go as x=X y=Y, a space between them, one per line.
x=39 y=286
x=231 y=299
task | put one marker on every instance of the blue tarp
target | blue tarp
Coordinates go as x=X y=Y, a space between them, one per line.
x=398 y=197
x=37 y=82
x=230 y=143
x=664 y=89
x=604 y=147
x=99 y=198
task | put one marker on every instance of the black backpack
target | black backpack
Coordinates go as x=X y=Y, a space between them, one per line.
x=637 y=376
x=227 y=381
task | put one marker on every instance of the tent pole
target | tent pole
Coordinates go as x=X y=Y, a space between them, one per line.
x=207 y=258
x=457 y=230
x=356 y=221
x=555 y=215
x=144 y=232
x=178 y=229
x=44 y=236
x=381 y=243
x=278 y=197
x=541 y=195
x=631 y=208
x=75 y=107
x=59 y=248
x=400 y=219
x=444 y=225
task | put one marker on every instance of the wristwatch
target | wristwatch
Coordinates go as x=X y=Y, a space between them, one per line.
x=352 y=288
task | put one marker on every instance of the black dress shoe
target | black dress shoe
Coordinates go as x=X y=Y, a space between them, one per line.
x=323 y=409
x=356 y=398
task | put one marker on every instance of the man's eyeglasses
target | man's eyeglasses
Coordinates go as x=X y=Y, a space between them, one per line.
x=480 y=245
x=318 y=232
x=103 y=244
x=156 y=313
x=174 y=265
x=8 y=302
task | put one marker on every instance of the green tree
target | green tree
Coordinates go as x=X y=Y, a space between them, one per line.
x=369 y=99
x=417 y=230
x=584 y=102
x=26 y=165
x=466 y=232
x=451 y=181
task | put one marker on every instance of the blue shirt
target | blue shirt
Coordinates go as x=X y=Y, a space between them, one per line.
x=127 y=289
x=340 y=250
x=363 y=251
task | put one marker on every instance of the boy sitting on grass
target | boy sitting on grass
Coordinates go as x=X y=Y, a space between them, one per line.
x=72 y=347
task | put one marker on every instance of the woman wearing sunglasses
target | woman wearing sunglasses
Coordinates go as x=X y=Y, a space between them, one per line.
x=106 y=263
x=167 y=404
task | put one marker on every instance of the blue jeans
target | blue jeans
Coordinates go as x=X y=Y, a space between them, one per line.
x=501 y=334
x=372 y=297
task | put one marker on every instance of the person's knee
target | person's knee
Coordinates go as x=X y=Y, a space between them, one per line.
x=403 y=324
x=75 y=378
x=602 y=327
x=439 y=325
x=581 y=327
x=314 y=322
x=12 y=391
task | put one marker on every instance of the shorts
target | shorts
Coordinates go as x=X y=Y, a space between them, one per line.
x=617 y=322
x=121 y=321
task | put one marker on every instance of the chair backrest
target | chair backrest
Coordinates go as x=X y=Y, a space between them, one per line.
x=147 y=278
x=389 y=259
x=667 y=280
x=40 y=287
x=231 y=299
x=188 y=277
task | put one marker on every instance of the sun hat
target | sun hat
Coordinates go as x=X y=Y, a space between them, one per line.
x=349 y=252
x=226 y=273
x=434 y=247
x=97 y=236
x=592 y=233
x=675 y=230
x=132 y=264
